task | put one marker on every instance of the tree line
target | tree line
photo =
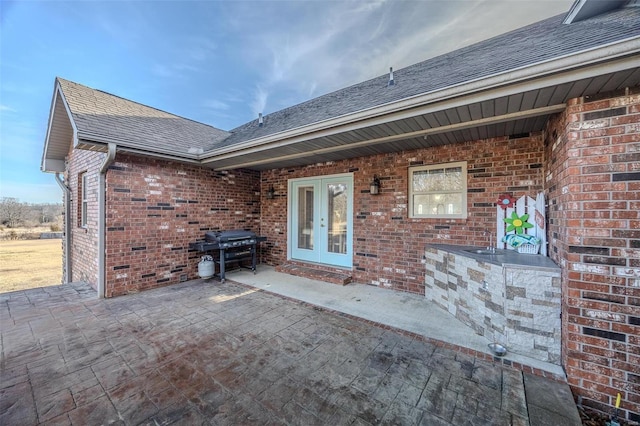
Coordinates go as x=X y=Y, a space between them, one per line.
x=14 y=213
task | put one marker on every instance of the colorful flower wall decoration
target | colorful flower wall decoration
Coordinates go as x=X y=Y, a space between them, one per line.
x=517 y=223
x=505 y=201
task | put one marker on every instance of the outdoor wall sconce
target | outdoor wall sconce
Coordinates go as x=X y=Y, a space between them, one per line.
x=374 y=188
x=271 y=193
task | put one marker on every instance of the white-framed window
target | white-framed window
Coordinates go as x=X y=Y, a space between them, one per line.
x=438 y=191
x=83 y=198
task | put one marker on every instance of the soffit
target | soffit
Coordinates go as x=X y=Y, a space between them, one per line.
x=506 y=56
x=487 y=107
x=90 y=119
x=59 y=137
x=514 y=114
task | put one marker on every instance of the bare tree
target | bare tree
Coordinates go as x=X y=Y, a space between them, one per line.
x=48 y=213
x=12 y=211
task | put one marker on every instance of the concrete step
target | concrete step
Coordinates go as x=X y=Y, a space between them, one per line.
x=316 y=273
x=550 y=402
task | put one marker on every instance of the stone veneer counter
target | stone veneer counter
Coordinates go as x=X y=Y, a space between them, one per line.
x=501 y=257
x=508 y=297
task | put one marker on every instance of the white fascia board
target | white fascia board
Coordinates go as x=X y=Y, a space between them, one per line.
x=53 y=166
x=522 y=77
x=552 y=109
x=57 y=91
x=521 y=87
x=43 y=167
x=146 y=153
x=73 y=123
x=98 y=139
x=103 y=143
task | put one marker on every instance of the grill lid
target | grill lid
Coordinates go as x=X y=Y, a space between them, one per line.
x=231 y=235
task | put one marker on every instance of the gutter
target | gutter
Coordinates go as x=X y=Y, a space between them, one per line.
x=102 y=218
x=100 y=141
x=66 y=277
x=551 y=109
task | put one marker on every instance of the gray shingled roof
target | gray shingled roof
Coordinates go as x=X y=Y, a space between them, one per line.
x=102 y=117
x=99 y=116
x=542 y=41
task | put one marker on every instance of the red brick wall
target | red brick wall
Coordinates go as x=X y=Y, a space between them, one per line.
x=84 y=241
x=156 y=207
x=592 y=167
x=388 y=246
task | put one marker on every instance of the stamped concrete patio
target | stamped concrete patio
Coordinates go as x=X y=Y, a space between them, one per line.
x=208 y=353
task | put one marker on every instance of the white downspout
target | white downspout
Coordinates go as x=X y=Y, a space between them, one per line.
x=66 y=279
x=102 y=219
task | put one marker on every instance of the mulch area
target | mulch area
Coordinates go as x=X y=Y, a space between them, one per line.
x=593 y=418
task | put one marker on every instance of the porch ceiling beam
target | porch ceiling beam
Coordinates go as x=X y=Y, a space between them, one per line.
x=519 y=115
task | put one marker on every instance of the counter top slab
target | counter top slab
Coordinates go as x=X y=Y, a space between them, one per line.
x=509 y=258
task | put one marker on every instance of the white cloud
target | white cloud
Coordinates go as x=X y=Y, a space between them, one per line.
x=6 y=108
x=215 y=104
x=259 y=101
x=312 y=48
x=199 y=48
x=174 y=71
x=162 y=71
x=126 y=23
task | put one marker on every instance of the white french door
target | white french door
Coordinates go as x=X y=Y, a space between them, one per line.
x=321 y=219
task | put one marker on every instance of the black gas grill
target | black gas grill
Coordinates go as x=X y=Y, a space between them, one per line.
x=232 y=246
x=234 y=238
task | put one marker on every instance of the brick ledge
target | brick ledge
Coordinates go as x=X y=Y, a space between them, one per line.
x=315 y=273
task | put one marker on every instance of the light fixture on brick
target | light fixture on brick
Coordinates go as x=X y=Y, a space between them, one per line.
x=374 y=187
x=271 y=193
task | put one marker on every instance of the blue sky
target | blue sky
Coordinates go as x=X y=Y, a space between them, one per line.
x=218 y=62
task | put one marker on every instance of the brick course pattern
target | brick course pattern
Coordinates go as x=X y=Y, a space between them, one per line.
x=587 y=161
x=155 y=208
x=84 y=240
x=592 y=173
x=388 y=246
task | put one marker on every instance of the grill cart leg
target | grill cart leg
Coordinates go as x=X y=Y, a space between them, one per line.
x=222 y=262
x=254 y=257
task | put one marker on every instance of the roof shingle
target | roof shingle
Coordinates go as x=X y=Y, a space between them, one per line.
x=542 y=41
x=103 y=115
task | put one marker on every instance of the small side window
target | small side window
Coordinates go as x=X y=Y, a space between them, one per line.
x=82 y=199
x=438 y=191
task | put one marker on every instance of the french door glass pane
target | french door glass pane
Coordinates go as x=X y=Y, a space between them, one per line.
x=305 y=217
x=337 y=220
